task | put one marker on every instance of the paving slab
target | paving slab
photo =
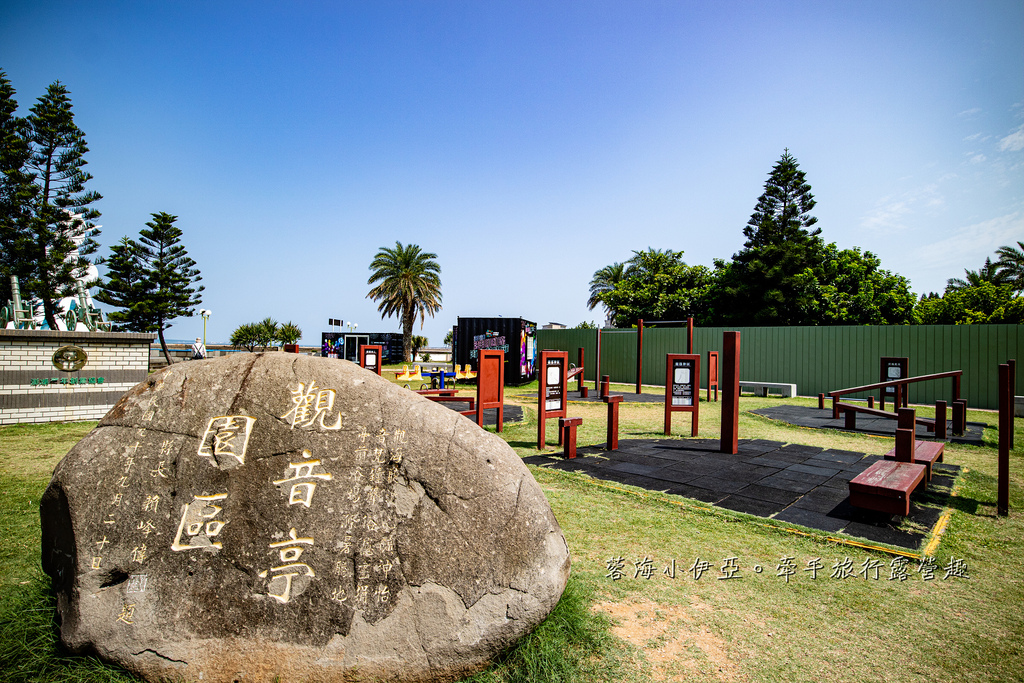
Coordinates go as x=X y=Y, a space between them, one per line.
x=797 y=484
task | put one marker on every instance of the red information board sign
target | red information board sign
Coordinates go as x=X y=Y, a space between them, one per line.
x=370 y=357
x=490 y=385
x=893 y=367
x=682 y=388
x=551 y=390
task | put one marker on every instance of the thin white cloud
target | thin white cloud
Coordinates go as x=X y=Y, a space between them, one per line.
x=972 y=138
x=890 y=211
x=978 y=158
x=1014 y=142
x=969 y=113
x=973 y=243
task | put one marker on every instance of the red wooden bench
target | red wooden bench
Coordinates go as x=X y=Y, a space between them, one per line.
x=886 y=486
x=926 y=453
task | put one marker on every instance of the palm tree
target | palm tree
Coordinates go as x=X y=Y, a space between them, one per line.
x=974 y=278
x=408 y=284
x=604 y=281
x=1011 y=266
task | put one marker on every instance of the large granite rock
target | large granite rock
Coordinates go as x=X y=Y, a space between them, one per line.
x=264 y=517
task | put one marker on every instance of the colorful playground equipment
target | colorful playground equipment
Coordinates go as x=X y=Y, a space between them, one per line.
x=407 y=376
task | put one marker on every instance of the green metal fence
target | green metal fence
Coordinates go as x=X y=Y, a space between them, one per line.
x=816 y=359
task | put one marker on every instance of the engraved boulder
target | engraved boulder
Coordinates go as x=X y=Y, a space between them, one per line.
x=261 y=517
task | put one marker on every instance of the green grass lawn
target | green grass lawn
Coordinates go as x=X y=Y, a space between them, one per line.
x=651 y=625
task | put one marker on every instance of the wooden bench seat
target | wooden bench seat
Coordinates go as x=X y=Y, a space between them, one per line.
x=431 y=393
x=926 y=453
x=764 y=388
x=454 y=399
x=851 y=410
x=886 y=486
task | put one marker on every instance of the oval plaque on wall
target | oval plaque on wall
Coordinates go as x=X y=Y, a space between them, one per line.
x=70 y=358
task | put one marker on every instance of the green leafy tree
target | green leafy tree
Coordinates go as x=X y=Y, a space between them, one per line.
x=773 y=279
x=289 y=333
x=853 y=290
x=408 y=285
x=17 y=192
x=1011 y=266
x=658 y=285
x=153 y=280
x=449 y=338
x=986 y=302
x=603 y=282
x=585 y=325
x=61 y=231
x=248 y=336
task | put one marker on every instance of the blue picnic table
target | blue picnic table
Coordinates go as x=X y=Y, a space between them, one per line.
x=438 y=376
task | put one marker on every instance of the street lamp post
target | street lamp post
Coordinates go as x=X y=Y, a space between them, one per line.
x=206 y=316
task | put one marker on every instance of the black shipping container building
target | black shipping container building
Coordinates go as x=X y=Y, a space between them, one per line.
x=346 y=345
x=515 y=336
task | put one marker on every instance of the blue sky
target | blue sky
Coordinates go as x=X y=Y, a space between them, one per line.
x=528 y=144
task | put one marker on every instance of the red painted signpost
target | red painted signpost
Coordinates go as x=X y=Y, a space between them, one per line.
x=713 y=373
x=682 y=388
x=551 y=391
x=730 y=392
x=370 y=356
x=490 y=387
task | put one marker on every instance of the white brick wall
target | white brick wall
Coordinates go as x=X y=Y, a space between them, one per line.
x=32 y=351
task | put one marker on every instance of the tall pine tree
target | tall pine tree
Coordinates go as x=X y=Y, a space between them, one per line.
x=17 y=192
x=125 y=287
x=773 y=279
x=61 y=233
x=153 y=280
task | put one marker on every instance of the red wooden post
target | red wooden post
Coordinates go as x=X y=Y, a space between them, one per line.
x=551 y=391
x=582 y=387
x=639 y=353
x=730 y=393
x=898 y=403
x=605 y=385
x=597 y=366
x=905 y=444
x=567 y=429
x=1005 y=425
x=713 y=373
x=835 y=406
x=940 y=419
x=613 y=422
x=689 y=335
x=821 y=401
x=959 y=417
x=682 y=388
x=871 y=401
x=956 y=388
